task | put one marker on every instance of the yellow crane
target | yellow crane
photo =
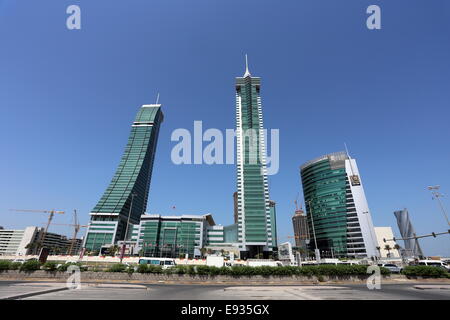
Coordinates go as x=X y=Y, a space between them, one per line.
x=50 y=217
x=76 y=226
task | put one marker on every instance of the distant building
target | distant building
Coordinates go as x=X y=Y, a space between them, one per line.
x=301 y=229
x=412 y=247
x=386 y=233
x=22 y=242
x=337 y=207
x=15 y=242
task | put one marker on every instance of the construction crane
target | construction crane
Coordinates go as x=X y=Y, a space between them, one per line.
x=76 y=228
x=50 y=217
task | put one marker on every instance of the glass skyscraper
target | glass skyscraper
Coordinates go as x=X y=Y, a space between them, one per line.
x=255 y=227
x=127 y=194
x=338 y=214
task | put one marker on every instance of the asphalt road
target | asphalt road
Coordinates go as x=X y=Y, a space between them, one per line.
x=112 y=291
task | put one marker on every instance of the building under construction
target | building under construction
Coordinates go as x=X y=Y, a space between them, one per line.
x=26 y=241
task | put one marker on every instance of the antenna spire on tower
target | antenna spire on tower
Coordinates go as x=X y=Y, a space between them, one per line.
x=157 y=98
x=247 y=73
x=349 y=159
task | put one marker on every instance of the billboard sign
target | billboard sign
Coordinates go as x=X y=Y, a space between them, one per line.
x=285 y=251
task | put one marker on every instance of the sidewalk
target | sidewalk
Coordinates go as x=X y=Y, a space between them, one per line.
x=24 y=290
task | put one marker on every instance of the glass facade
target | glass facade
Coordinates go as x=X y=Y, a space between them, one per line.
x=127 y=194
x=172 y=236
x=325 y=197
x=253 y=213
x=338 y=215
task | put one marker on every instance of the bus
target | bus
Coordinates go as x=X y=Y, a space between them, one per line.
x=163 y=262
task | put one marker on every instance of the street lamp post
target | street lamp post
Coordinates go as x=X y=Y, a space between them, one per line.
x=316 y=251
x=126 y=228
x=437 y=195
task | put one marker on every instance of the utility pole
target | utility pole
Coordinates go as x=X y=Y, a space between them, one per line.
x=437 y=195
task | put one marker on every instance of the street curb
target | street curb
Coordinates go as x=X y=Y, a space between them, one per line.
x=31 y=294
x=431 y=287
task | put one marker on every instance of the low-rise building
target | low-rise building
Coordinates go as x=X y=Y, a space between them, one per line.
x=386 y=233
x=171 y=236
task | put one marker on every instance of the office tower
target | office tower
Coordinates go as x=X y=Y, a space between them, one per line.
x=255 y=228
x=338 y=213
x=125 y=199
x=412 y=247
x=301 y=228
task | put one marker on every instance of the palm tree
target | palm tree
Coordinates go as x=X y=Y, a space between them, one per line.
x=388 y=248
x=378 y=249
x=113 y=250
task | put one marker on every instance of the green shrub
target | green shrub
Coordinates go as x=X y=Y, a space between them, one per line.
x=130 y=269
x=214 y=271
x=15 y=265
x=226 y=271
x=5 y=265
x=202 y=270
x=243 y=271
x=180 y=269
x=118 y=267
x=30 y=265
x=154 y=268
x=142 y=268
x=191 y=270
x=49 y=266
x=425 y=271
x=63 y=267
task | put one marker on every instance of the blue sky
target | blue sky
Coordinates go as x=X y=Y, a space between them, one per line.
x=67 y=99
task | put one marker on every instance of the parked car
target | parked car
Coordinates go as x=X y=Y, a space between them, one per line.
x=19 y=260
x=391 y=267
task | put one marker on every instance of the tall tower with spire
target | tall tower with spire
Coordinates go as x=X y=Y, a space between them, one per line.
x=256 y=234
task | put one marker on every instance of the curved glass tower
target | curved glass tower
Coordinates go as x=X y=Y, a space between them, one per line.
x=338 y=214
x=127 y=194
x=255 y=229
x=405 y=226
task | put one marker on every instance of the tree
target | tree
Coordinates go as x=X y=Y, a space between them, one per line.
x=388 y=248
x=112 y=250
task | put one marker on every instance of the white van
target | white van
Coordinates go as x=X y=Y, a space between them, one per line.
x=163 y=262
x=434 y=263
